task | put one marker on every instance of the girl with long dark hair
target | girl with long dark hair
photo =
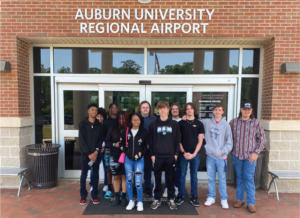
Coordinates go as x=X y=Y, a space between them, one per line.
x=117 y=169
x=137 y=139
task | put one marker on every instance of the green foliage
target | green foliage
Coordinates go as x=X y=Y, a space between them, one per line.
x=64 y=70
x=185 y=68
x=44 y=70
x=129 y=67
x=95 y=70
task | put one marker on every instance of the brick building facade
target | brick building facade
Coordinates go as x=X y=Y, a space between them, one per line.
x=272 y=25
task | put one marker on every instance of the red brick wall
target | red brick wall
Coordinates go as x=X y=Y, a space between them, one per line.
x=235 y=18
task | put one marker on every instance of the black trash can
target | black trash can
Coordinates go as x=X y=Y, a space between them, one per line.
x=258 y=169
x=69 y=153
x=43 y=165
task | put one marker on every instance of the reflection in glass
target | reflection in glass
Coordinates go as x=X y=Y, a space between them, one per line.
x=41 y=60
x=75 y=107
x=42 y=109
x=251 y=61
x=128 y=101
x=193 y=61
x=99 y=60
x=250 y=92
x=72 y=153
x=205 y=101
x=171 y=97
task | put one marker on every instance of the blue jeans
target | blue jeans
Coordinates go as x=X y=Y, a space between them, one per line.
x=134 y=168
x=212 y=166
x=244 y=180
x=104 y=168
x=194 y=165
x=84 y=171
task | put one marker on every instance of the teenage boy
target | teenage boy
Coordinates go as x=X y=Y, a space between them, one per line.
x=248 y=141
x=218 y=145
x=146 y=111
x=192 y=132
x=175 y=112
x=112 y=112
x=90 y=140
x=164 y=149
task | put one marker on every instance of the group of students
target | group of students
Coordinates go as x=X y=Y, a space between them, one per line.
x=132 y=148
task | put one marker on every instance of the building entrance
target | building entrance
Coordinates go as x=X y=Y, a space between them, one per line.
x=72 y=101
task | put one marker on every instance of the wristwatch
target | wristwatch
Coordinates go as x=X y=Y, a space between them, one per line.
x=183 y=152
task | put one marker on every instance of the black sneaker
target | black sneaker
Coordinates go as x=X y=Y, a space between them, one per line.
x=82 y=202
x=155 y=204
x=124 y=200
x=194 y=201
x=179 y=199
x=117 y=200
x=172 y=205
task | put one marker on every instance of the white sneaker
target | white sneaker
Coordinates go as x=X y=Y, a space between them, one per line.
x=140 y=206
x=224 y=204
x=165 y=194
x=209 y=202
x=130 y=205
x=176 y=191
x=105 y=188
x=91 y=189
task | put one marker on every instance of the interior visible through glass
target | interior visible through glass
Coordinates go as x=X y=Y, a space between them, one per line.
x=171 y=97
x=128 y=101
x=42 y=109
x=75 y=107
x=205 y=101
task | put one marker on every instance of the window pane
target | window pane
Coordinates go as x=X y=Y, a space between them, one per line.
x=98 y=60
x=205 y=101
x=128 y=101
x=250 y=92
x=42 y=109
x=75 y=107
x=72 y=153
x=171 y=97
x=41 y=60
x=251 y=61
x=193 y=61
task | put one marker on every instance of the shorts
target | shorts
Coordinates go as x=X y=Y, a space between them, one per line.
x=116 y=167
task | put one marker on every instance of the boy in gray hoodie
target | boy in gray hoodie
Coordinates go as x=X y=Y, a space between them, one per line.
x=218 y=138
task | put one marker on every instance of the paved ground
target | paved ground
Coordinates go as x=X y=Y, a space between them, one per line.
x=62 y=201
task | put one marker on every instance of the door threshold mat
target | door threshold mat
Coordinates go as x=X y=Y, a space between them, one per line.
x=105 y=207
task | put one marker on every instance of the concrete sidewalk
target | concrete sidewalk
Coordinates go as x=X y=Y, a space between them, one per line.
x=63 y=201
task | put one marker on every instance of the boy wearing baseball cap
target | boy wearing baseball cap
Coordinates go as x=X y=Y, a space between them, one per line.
x=248 y=141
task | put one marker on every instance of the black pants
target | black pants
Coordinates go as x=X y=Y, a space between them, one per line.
x=84 y=171
x=169 y=165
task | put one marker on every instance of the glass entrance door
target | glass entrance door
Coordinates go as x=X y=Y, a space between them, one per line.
x=205 y=98
x=72 y=101
x=72 y=108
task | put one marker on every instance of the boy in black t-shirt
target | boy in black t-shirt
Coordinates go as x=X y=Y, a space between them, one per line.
x=164 y=148
x=192 y=131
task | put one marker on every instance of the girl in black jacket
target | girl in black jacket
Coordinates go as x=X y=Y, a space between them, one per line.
x=135 y=149
x=117 y=169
